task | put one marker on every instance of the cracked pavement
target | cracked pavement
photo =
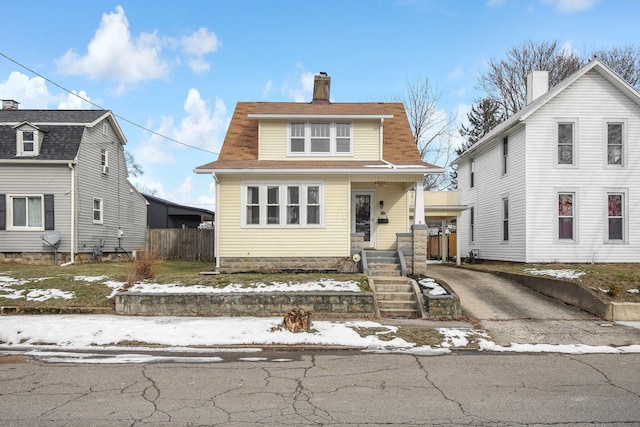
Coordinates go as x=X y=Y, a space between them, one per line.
x=328 y=388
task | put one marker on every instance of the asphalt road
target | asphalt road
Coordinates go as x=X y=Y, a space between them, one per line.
x=513 y=313
x=321 y=388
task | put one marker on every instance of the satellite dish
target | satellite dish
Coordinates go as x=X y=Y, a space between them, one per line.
x=52 y=239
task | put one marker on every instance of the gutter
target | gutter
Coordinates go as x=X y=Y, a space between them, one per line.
x=216 y=229
x=72 y=245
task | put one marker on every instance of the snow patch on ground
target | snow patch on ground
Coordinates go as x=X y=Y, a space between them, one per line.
x=433 y=286
x=7 y=290
x=320 y=285
x=560 y=274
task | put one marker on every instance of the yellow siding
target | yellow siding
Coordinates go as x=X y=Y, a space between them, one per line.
x=331 y=240
x=273 y=142
x=395 y=206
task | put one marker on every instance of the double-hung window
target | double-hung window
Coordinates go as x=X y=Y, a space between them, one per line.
x=472 y=224
x=505 y=154
x=566 y=143
x=505 y=219
x=615 y=144
x=282 y=204
x=28 y=141
x=615 y=217
x=566 y=215
x=320 y=138
x=26 y=212
x=98 y=211
x=104 y=161
x=472 y=172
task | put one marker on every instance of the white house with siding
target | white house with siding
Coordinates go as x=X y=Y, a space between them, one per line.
x=63 y=173
x=298 y=183
x=560 y=180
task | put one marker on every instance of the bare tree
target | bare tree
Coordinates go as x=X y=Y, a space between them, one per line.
x=505 y=82
x=625 y=61
x=432 y=127
x=133 y=168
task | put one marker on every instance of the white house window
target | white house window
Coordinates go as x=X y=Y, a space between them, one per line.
x=566 y=143
x=505 y=153
x=28 y=141
x=253 y=205
x=472 y=224
x=320 y=138
x=565 y=216
x=278 y=204
x=505 y=219
x=273 y=204
x=98 y=211
x=104 y=161
x=615 y=144
x=473 y=172
x=615 y=217
x=26 y=213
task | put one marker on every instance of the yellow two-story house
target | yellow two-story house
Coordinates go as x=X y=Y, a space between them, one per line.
x=305 y=186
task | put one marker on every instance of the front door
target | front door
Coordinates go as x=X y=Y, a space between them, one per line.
x=363 y=214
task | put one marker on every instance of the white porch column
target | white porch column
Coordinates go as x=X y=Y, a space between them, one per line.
x=418 y=208
x=458 y=257
x=445 y=243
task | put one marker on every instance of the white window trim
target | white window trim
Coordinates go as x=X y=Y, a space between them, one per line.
x=575 y=148
x=332 y=139
x=505 y=218
x=556 y=215
x=605 y=138
x=505 y=155
x=282 y=200
x=104 y=161
x=93 y=210
x=10 y=225
x=20 y=151
x=625 y=215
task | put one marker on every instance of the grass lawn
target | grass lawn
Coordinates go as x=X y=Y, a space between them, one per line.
x=95 y=294
x=611 y=281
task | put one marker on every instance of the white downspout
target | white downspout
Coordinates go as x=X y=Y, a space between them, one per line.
x=216 y=223
x=72 y=245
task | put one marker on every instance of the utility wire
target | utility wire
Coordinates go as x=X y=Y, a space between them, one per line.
x=102 y=108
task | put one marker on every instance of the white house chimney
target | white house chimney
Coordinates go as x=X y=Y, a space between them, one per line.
x=321 y=88
x=537 y=85
x=9 y=104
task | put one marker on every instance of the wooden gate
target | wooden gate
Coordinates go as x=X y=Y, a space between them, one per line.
x=189 y=244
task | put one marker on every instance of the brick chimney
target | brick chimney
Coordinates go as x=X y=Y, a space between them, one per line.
x=321 y=88
x=9 y=104
x=537 y=85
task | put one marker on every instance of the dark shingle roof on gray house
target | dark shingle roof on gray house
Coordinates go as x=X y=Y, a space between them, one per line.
x=62 y=129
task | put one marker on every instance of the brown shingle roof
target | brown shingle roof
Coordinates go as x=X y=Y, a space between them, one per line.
x=240 y=147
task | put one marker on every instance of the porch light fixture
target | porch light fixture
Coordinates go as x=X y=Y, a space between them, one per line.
x=382 y=218
x=379 y=184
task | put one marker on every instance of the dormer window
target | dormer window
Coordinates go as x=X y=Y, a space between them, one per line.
x=320 y=138
x=27 y=141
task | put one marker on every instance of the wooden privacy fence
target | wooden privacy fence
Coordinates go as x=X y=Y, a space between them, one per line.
x=434 y=250
x=188 y=244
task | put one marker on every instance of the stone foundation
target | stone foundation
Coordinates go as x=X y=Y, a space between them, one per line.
x=328 y=304
x=273 y=264
x=46 y=258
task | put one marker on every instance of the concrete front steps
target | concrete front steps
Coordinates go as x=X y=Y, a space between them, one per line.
x=397 y=297
x=383 y=263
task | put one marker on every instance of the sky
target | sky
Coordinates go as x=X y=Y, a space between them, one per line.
x=173 y=71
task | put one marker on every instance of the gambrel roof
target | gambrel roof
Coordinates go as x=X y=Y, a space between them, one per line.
x=240 y=147
x=62 y=129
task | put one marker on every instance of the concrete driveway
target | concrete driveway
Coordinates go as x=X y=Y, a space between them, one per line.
x=513 y=313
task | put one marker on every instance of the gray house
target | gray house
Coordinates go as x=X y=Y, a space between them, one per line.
x=63 y=186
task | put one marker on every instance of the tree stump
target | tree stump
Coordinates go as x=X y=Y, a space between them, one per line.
x=297 y=320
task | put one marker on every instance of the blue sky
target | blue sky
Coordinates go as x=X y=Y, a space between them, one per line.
x=179 y=67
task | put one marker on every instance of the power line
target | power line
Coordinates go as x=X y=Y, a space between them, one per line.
x=102 y=108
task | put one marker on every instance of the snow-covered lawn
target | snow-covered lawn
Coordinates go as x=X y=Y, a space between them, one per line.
x=560 y=274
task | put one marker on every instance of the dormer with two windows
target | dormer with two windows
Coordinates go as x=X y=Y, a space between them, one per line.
x=28 y=140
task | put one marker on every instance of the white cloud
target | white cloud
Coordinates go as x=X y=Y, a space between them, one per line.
x=456 y=73
x=301 y=90
x=113 y=54
x=200 y=42
x=75 y=101
x=185 y=188
x=29 y=92
x=197 y=45
x=202 y=127
x=568 y=6
x=267 y=89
